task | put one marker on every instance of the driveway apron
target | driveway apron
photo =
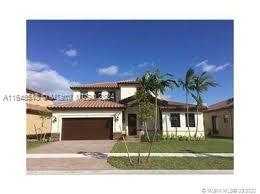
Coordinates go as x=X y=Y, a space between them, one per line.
x=97 y=161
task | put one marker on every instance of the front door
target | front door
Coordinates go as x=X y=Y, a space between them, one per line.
x=132 y=124
x=214 y=124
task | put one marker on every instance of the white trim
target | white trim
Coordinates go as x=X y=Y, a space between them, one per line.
x=117 y=125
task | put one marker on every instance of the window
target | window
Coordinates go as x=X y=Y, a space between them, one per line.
x=226 y=118
x=112 y=96
x=191 y=120
x=98 y=95
x=175 y=120
x=84 y=95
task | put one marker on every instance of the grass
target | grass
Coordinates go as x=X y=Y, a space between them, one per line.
x=210 y=145
x=34 y=144
x=174 y=163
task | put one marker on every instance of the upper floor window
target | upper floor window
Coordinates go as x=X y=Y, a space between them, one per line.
x=84 y=95
x=226 y=118
x=112 y=96
x=191 y=120
x=175 y=120
x=98 y=94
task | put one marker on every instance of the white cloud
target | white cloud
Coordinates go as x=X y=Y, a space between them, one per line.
x=71 y=53
x=210 y=67
x=42 y=78
x=111 y=70
x=36 y=66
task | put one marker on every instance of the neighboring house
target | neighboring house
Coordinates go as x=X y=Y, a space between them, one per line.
x=37 y=105
x=106 y=110
x=218 y=119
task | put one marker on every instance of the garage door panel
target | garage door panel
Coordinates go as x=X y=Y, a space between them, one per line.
x=87 y=128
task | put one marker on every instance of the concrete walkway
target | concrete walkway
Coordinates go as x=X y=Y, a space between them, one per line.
x=100 y=155
x=116 y=171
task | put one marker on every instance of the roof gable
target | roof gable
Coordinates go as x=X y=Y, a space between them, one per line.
x=229 y=103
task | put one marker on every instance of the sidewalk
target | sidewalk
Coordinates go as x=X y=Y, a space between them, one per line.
x=84 y=172
x=105 y=155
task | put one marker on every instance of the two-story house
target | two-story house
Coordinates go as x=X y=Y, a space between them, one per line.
x=106 y=110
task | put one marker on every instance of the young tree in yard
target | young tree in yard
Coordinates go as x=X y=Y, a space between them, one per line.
x=126 y=147
x=188 y=85
x=156 y=84
x=145 y=109
x=42 y=128
x=201 y=83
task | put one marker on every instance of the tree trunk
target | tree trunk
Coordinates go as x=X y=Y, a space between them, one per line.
x=197 y=124
x=139 y=158
x=146 y=131
x=50 y=130
x=187 y=110
x=155 y=130
x=129 y=157
x=36 y=132
x=156 y=114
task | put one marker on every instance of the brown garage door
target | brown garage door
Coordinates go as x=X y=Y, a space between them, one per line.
x=87 y=128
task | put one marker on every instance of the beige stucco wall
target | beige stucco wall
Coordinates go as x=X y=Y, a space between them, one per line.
x=76 y=95
x=33 y=119
x=182 y=130
x=224 y=129
x=115 y=114
x=127 y=91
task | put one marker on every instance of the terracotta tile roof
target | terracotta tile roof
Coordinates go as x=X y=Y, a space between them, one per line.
x=103 y=85
x=132 y=81
x=32 y=107
x=96 y=85
x=88 y=104
x=30 y=91
x=152 y=99
x=229 y=103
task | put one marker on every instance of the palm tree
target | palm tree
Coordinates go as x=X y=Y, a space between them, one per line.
x=188 y=86
x=201 y=83
x=157 y=84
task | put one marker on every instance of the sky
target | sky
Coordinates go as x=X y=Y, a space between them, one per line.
x=64 y=53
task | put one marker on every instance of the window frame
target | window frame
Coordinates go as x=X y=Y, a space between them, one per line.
x=98 y=92
x=186 y=120
x=113 y=99
x=84 y=95
x=225 y=119
x=178 y=120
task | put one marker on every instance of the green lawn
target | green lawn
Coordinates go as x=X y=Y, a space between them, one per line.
x=174 y=163
x=210 y=145
x=33 y=144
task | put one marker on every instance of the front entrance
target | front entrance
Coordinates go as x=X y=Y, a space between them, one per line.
x=132 y=124
x=214 y=124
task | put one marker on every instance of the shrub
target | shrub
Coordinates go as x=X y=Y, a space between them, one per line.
x=158 y=137
x=161 y=137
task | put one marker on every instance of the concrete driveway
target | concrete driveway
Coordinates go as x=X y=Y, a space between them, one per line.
x=94 y=162
x=75 y=146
